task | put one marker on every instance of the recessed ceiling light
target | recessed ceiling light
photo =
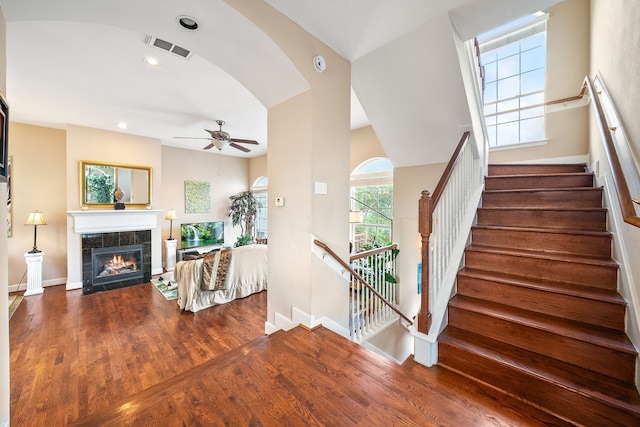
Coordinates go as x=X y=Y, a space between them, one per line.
x=151 y=61
x=122 y=125
x=188 y=22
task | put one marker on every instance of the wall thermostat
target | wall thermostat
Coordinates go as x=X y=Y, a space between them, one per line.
x=319 y=63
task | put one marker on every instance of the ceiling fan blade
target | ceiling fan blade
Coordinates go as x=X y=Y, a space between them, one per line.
x=239 y=147
x=244 y=141
x=190 y=137
x=209 y=146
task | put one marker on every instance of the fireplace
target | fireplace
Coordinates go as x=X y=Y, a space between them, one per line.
x=115 y=260
x=116 y=264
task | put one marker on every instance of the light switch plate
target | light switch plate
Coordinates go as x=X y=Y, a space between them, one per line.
x=321 y=187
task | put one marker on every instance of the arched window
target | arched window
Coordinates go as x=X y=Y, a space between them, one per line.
x=372 y=194
x=259 y=189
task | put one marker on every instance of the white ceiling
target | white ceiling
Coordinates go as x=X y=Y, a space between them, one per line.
x=81 y=62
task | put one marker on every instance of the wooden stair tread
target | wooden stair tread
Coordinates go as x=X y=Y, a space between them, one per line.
x=560 y=373
x=542 y=180
x=522 y=168
x=550 y=174
x=542 y=208
x=537 y=190
x=604 y=337
x=586 y=292
x=578 y=259
x=559 y=196
x=572 y=231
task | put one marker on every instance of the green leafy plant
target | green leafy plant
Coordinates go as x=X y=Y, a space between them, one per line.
x=243 y=240
x=243 y=211
x=379 y=262
x=102 y=187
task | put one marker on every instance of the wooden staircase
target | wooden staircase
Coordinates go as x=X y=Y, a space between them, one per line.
x=537 y=313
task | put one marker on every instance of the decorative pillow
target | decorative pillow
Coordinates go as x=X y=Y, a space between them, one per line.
x=214 y=270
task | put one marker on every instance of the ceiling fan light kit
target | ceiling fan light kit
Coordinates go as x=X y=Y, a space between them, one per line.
x=220 y=139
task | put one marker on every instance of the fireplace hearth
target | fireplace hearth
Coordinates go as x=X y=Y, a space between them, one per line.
x=115 y=260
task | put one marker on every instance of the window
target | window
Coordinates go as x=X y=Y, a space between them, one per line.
x=372 y=194
x=259 y=189
x=514 y=61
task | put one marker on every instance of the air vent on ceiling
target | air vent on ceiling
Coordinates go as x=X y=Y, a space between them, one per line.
x=169 y=47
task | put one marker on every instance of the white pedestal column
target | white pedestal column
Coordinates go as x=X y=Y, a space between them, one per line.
x=34 y=273
x=170 y=248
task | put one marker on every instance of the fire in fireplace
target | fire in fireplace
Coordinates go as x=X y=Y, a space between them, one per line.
x=116 y=264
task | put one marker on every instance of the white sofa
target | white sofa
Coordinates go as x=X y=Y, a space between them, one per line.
x=246 y=275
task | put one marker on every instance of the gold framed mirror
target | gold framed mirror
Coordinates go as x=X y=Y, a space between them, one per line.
x=99 y=183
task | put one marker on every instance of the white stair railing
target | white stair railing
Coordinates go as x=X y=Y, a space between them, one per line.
x=368 y=312
x=373 y=293
x=446 y=216
x=445 y=219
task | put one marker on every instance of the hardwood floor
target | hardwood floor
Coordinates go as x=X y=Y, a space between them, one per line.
x=129 y=357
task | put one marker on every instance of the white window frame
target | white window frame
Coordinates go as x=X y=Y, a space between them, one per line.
x=521 y=111
x=259 y=189
x=370 y=179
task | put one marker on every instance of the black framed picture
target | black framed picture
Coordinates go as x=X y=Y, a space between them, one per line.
x=4 y=139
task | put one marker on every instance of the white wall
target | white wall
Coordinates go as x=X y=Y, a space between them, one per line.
x=614 y=46
x=38 y=157
x=614 y=53
x=226 y=176
x=308 y=143
x=4 y=320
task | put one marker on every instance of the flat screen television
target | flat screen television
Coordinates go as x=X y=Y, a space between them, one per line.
x=201 y=234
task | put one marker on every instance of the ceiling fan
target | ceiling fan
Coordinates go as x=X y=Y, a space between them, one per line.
x=221 y=139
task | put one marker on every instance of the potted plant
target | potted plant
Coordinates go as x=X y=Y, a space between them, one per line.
x=243 y=211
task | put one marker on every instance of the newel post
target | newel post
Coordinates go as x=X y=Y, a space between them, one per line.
x=424 y=227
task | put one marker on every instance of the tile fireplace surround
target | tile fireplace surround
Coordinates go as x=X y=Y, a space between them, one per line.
x=114 y=240
x=111 y=223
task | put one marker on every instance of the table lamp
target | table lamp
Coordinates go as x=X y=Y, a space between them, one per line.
x=171 y=215
x=36 y=218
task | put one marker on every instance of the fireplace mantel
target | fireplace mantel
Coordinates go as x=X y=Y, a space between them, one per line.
x=105 y=221
x=109 y=221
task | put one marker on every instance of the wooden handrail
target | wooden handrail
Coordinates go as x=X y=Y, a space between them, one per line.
x=426 y=205
x=444 y=179
x=375 y=251
x=360 y=279
x=580 y=95
x=619 y=181
x=577 y=97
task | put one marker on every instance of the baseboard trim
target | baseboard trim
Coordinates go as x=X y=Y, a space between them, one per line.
x=45 y=283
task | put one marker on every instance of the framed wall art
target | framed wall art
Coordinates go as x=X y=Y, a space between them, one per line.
x=9 y=217
x=4 y=139
x=197 y=197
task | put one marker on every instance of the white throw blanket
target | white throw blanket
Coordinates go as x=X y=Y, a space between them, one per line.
x=247 y=275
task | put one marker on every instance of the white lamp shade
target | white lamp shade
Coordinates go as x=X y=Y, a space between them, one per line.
x=219 y=144
x=36 y=218
x=171 y=214
x=355 y=216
